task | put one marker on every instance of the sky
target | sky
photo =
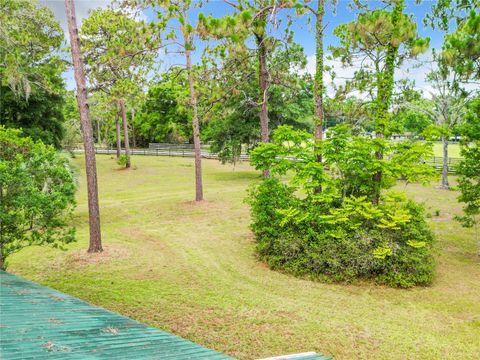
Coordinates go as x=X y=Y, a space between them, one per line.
x=303 y=33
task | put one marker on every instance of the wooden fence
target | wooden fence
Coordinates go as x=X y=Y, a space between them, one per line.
x=187 y=150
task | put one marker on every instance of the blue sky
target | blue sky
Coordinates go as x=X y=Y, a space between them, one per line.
x=303 y=31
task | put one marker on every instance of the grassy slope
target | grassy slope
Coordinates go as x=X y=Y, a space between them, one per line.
x=191 y=269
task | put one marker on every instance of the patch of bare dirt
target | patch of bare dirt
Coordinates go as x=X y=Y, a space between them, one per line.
x=81 y=258
x=121 y=169
x=442 y=218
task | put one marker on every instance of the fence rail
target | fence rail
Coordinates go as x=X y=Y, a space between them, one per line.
x=186 y=150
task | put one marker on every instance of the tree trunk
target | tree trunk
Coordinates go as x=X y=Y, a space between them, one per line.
x=263 y=83
x=318 y=83
x=86 y=127
x=445 y=184
x=117 y=132
x=318 y=80
x=385 y=84
x=195 y=122
x=133 y=129
x=126 y=141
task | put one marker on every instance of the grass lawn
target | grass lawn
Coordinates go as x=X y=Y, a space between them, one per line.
x=191 y=269
x=453 y=150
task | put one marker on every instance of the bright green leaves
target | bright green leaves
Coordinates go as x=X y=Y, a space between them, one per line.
x=289 y=149
x=382 y=252
x=416 y=244
x=392 y=221
x=291 y=215
x=408 y=161
x=350 y=159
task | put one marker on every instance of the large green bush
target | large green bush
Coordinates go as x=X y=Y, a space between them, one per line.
x=37 y=195
x=339 y=233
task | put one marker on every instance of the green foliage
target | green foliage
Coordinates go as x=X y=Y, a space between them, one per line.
x=235 y=125
x=30 y=43
x=31 y=85
x=72 y=135
x=375 y=31
x=381 y=40
x=462 y=47
x=37 y=195
x=122 y=160
x=350 y=110
x=469 y=168
x=119 y=51
x=339 y=233
x=40 y=117
x=408 y=120
x=163 y=117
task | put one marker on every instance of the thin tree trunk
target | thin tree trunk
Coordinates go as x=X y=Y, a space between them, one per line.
x=195 y=123
x=318 y=83
x=126 y=141
x=263 y=83
x=445 y=184
x=86 y=127
x=385 y=84
x=117 y=132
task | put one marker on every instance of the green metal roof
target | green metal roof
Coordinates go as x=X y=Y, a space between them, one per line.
x=37 y=322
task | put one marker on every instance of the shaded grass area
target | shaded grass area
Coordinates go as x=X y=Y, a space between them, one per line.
x=190 y=269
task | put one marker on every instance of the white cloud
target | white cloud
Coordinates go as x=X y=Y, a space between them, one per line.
x=82 y=9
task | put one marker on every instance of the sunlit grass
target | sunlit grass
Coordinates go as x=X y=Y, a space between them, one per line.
x=453 y=150
x=191 y=269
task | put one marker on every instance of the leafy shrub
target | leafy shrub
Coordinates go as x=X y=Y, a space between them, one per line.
x=37 y=193
x=122 y=160
x=469 y=169
x=338 y=233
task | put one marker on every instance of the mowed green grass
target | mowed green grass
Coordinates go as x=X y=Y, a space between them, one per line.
x=191 y=269
x=453 y=150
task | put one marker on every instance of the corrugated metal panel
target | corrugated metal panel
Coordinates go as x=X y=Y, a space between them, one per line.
x=37 y=322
